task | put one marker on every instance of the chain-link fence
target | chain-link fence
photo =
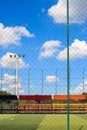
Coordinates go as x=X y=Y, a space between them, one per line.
x=44 y=81
x=43 y=63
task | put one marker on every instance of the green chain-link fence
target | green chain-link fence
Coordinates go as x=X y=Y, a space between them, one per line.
x=43 y=52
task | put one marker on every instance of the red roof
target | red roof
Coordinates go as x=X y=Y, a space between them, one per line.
x=35 y=97
x=72 y=97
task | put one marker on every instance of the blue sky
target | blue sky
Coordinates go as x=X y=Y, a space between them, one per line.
x=37 y=28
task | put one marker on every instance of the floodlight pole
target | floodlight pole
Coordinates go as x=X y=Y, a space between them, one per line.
x=68 y=70
x=17 y=57
x=17 y=68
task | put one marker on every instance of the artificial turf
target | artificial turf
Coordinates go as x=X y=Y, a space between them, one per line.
x=42 y=122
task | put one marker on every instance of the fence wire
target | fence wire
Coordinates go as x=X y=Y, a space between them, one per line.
x=43 y=52
x=44 y=81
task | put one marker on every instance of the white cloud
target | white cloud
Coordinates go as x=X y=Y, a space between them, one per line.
x=78 y=49
x=52 y=78
x=49 y=48
x=77 y=8
x=12 y=35
x=8 y=62
x=11 y=90
x=79 y=88
x=8 y=79
x=9 y=85
x=4 y=89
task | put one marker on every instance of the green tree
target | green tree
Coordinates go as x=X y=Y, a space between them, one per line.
x=5 y=93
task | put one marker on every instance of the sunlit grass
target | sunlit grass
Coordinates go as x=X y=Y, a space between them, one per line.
x=42 y=121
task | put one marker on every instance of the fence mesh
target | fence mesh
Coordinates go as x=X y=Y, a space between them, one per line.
x=35 y=37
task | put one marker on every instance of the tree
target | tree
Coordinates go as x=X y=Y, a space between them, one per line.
x=4 y=93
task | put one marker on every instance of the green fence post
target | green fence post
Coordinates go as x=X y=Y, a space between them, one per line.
x=56 y=83
x=68 y=71
x=28 y=81
x=83 y=81
x=42 y=82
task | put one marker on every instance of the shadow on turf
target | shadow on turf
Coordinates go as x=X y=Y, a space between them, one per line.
x=81 y=128
x=36 y=127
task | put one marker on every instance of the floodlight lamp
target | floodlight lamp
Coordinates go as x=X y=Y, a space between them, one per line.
x=23 y=55
x=10 y=55
x=14 y=55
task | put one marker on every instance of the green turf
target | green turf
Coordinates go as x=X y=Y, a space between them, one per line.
x=42 y=122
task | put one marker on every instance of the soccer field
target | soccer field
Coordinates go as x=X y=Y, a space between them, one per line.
x=42 y=122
